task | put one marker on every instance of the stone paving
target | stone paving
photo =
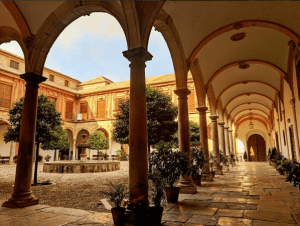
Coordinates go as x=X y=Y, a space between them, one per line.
x=248 y=194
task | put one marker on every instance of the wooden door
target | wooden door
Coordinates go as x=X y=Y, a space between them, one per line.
x=256 y=148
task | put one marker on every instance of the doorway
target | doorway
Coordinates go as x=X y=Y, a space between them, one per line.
x=256 y=148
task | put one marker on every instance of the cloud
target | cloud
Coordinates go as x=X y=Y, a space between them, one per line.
x=96 y=26
x=12 y=47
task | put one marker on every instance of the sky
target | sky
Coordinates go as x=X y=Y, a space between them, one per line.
x=92 y=46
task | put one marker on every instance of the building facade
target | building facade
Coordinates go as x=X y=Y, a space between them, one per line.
x=84 y=106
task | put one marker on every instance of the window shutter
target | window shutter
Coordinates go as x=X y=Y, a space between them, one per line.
x=5 y=95
x=101 y=106
x=69 y=110
x=84 y=110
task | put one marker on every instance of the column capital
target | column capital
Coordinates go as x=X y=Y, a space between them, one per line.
x=221 y=123
x=136 y=54
x=181 y=93
x=32 y=78
x=230 y=130
x=226 y=127
x=202 y=109
x=213 y=117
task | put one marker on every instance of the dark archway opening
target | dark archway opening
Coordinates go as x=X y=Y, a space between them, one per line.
x=256 y=148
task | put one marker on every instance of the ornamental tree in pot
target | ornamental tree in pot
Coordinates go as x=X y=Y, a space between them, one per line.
x=197 y=164
x=116 y=195
x=170 y=164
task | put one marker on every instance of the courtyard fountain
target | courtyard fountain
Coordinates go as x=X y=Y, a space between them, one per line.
x=83 y=165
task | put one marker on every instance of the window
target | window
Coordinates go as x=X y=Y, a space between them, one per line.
x=101 y=105
x=69 y=110
x=5 y=95
x=66 y=83
x=84 y=110
x=14 y=64
x=51 y=78
x=191 y=101
x=283 y=134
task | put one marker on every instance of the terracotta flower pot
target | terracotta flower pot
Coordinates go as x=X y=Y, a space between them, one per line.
x=155 y=215
x=197 y=180
x=118 y=214
x=172 y=194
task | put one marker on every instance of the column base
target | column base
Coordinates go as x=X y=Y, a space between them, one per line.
x=20 y=203
x=187 y=186
x=207 y=177
x=218 y=170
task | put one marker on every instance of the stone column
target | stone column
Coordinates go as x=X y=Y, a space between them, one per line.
x=74 y=150
x=227 y=145
x=215 y=144
x=206 y=175
x=22 y=195
x=12 y=152
x=222 y=137
x=186 y=184
x=138 y=139
x=230 y=139
x=56 y=155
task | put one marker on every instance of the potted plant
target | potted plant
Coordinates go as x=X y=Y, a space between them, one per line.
x=232 y=157
x=116 y=195
x=279 y=167
x=157 y=196
x=170 y=164
x=47 y=158
x=197 y=164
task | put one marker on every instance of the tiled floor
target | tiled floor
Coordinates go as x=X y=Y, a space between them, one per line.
x=248 y=194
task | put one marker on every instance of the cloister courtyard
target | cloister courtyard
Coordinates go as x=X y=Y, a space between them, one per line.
x=250 y=193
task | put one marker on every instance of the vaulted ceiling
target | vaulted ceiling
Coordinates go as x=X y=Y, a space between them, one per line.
x=242 y=46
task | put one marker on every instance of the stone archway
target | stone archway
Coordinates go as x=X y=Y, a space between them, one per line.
x=256 y=148
x=79 y=140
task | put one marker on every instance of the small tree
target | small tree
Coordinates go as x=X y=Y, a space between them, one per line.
x=161 y=115
x=99 y=141
x=194 y=138
x=60 y=143
x=47 y=118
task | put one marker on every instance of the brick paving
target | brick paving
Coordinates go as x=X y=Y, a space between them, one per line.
x=248 y=194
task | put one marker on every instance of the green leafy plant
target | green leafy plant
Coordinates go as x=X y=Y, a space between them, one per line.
x=47 y=157
x=122 y=155
x=47 y=118
x=99 y=141
x=161 y=118
x=223 y=158
x=157 y=192
x=40 y=158
x=197 y=161
x=170 y=164
x=117 y=193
